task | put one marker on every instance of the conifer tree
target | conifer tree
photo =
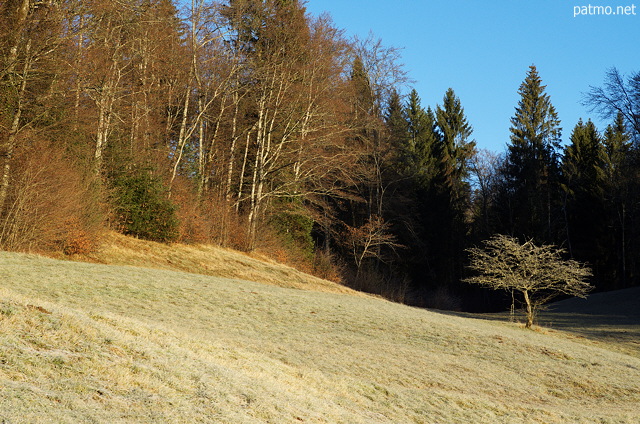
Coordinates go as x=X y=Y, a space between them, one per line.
x=617 y=146
x=453 y=149
x=531 y=173
x=449 y=194
x=584 y=178
x=621 y=189
x=397 y=126
x=418 y=153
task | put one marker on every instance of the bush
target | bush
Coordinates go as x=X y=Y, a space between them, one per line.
x=294 y=227
x=51 y=205
x=142 y=207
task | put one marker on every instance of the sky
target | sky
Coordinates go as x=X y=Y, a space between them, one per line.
x=483 y=50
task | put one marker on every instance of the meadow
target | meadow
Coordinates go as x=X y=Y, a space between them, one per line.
x=103 y=343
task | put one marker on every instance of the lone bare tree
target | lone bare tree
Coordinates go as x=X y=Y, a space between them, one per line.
x=538 y=272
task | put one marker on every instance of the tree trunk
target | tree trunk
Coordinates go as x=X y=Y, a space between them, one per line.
x=529 y=309
x=20 y=11
x=10 y=146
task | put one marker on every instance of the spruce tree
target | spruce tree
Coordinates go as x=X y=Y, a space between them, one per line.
x=418 y=153
x=621 y=194
x=449 y=193
x=584 y=176
x=531 y=191
x=453 y=149
x=397 y=126
x=618 y=146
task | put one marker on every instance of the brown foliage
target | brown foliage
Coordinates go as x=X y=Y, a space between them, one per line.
x=49 y=205
x=367 y=240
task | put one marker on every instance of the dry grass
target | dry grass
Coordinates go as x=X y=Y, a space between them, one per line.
x=116 y=249
x=611 y=319
x=119 y=344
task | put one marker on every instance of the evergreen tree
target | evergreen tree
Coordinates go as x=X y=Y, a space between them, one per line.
x=417 y=153
x=621 y=190
x=397 y=125
x=448 y=196
x=584 y=176
x=453 y=149
x=618 y=146
x=531 y=175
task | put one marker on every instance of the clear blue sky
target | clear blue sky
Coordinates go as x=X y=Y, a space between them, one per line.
x=483 y=49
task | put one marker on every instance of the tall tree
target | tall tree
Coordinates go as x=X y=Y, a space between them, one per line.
x=622 y=190
x=532 y=172
x=584 y=177
x=448 y=198
x=454 y=149
x=417 y=154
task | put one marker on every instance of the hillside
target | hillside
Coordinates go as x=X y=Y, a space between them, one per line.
x=611 y=318
x=88 y=342
x=116 y=249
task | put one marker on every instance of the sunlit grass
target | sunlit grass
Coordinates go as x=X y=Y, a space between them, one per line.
x=116 y=249
x=113 y=344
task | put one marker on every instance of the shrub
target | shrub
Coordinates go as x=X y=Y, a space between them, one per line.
x=294 y=226
x=142 y=207
x=51 y=205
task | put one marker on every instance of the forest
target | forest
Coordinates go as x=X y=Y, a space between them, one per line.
x=251 y=124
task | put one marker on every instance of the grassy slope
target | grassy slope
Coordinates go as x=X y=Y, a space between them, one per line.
x=117 y=249
x=112 y=344
x=612 y=319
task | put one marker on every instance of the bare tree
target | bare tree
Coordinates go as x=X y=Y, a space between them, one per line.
x=617 y=95
x=484 y=167
x=366 y=241
x=538 y=272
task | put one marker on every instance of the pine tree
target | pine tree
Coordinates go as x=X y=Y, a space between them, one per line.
x=397 y=126
x=584 y=161
x=453 y=149
x=530 y=195
x=617 y=145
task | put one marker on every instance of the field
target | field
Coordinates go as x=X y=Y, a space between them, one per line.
x=96 y=343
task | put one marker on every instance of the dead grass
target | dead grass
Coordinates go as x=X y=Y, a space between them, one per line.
x=86 y=342
x=610 y=319
x=116 y=249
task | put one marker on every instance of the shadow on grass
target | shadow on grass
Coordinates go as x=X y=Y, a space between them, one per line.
x=612 y=318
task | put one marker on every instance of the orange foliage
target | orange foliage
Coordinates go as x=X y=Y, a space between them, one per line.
x=49 y=206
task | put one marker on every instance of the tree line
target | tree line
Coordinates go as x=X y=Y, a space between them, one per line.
x=254 y=125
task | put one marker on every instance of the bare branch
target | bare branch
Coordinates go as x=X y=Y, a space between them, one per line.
x=538 y=272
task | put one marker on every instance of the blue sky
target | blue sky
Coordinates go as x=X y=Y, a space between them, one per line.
x=483 y=49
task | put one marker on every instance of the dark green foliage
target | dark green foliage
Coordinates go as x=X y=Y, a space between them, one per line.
x=448 y=196
x=584 y=176
x=142 y=208
x=397 y=125
x=453 y=149
x=363 y=96
x=294 y=226
x=417 y=154
x=530 y=195
x=622 y=176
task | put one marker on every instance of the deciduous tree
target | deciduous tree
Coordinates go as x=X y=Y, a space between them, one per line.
x=538 y=273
